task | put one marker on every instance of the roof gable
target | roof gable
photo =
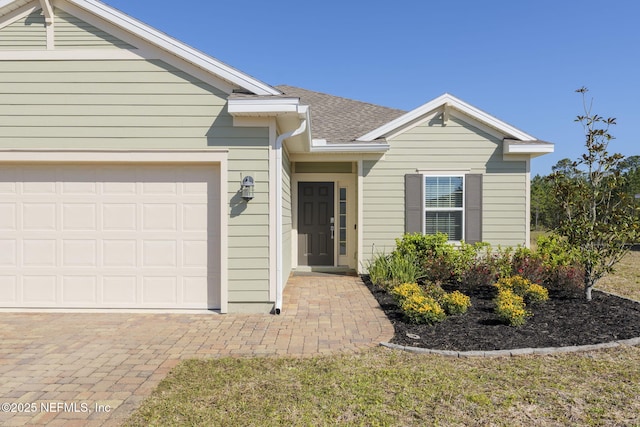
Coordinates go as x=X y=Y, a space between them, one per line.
x=445 y=102
x=100 y=15
x=338 y=119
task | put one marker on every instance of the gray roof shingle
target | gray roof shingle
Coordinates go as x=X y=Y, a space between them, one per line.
x=339 y=119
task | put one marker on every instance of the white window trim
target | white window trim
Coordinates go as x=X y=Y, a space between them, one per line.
x=461 y=209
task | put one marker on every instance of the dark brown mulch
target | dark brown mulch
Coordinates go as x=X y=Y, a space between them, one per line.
x=564 y=320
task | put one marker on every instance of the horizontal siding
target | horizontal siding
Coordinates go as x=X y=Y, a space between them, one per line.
x=287 y=220
x=28 y=33
x=145 y=104
x=73 y=33
x=431 y=146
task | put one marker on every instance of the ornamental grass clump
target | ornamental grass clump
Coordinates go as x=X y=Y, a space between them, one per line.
x=510 y=308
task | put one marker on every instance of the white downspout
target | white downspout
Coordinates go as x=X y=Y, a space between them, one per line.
x=279 y=278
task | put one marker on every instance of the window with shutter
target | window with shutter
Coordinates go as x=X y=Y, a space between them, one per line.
x=450 y=204
x=444 y=206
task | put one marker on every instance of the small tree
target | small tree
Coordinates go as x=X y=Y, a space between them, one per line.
x=598 y=216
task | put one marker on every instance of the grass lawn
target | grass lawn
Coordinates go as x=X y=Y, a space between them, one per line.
x=392 y=388
x=626 y=280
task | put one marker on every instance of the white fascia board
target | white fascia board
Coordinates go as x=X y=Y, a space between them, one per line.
x=321 y=146
x=511 y=148
x=239 y=107
x=176 y=47
x=452 y=102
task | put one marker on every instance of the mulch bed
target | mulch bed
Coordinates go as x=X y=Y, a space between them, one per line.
x=564 y=320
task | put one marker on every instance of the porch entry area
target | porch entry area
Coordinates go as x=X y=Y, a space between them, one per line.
x=324 y=217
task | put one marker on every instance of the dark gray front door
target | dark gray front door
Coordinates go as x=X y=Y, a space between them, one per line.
x=315 y=222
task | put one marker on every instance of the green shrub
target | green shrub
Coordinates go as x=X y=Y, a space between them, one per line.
x=510 y=308
x=432 y=253
x=422 y=309
x=480 y=273
x=434 y=291
x=567 y=278
x=556 y=251
x=455 y=303
x=530 y=265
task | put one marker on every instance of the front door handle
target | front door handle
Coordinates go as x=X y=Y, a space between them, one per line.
x=333 y=229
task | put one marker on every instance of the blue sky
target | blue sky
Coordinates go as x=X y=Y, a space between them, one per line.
x=520 y=61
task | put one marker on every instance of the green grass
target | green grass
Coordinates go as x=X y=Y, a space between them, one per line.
x=392 y=388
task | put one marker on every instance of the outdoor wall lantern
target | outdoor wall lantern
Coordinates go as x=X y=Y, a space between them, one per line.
x=247 y=188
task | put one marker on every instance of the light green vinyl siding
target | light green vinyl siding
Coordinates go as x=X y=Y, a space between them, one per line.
x=28 y=33
x=145 y=104
x=431 y=146
x=287 y=221
x=73 y=33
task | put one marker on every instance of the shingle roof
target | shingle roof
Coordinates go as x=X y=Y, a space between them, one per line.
x=339 y=119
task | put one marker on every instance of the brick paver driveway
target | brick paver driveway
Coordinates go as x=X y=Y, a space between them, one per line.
x=94 y=369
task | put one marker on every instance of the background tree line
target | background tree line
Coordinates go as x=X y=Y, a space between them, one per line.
x=546 y=212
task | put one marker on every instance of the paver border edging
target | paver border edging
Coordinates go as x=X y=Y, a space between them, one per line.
x=514 y=352
x=521 y=351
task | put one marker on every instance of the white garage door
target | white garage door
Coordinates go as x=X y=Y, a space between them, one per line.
x=109 y=236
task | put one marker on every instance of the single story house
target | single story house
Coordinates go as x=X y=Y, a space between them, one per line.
x=139 y=173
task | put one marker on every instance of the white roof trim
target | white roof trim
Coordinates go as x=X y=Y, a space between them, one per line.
x=515 y=148
x=175 y=47
x=240 y=107
x=451 y=102
x=321 y=146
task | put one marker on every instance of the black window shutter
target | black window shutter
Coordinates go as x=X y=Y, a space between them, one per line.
x=413 y=201
x=473 y=208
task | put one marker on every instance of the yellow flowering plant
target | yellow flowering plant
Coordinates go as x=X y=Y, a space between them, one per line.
x=455 y=303
x=531 y=292
x=422 y=309
x=510 y=308
x=404 y=291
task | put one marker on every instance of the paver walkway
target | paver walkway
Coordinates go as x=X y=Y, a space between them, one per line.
x=49 y=360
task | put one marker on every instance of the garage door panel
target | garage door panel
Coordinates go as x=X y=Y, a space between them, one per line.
x=79 y=253
x=9 y=290
x=119 y=216
x=160 y=290
x=39 y=216
x=119 y=253
x=159 y=217
x=80 y=291
x=8 y=252
x=39 y=290
x=39 y=253
x=79 y=217
x=119 y=291
x=194 y=253
x=109 y=236
x=159 y=253
x=8 y=216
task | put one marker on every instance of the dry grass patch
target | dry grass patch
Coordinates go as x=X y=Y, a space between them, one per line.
x=626 y=280
x=385 y=387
